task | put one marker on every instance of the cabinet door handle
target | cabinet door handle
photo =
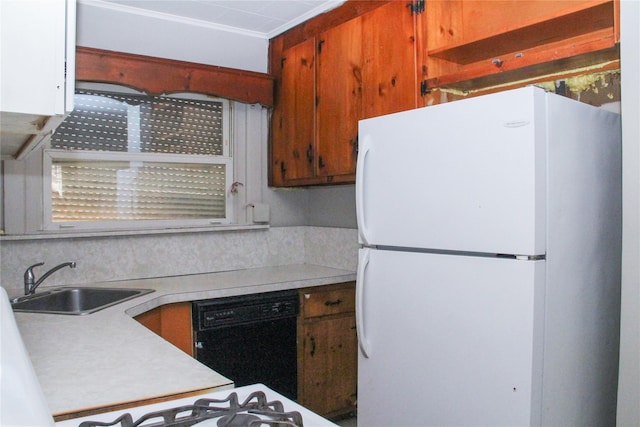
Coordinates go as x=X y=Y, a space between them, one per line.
x=330 y=303
x=310 y=153
x=313 y=346
x=320 y=162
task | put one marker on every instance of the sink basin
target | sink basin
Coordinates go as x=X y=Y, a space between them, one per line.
x=75 y=300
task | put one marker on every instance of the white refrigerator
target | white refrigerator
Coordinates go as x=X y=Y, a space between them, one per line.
x=489 y=270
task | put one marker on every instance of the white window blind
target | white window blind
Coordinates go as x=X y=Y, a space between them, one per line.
x=129 y=158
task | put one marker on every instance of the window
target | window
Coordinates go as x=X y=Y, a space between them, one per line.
x=122 y=160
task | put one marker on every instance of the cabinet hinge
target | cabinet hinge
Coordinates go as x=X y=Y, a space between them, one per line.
x=424 y=88
x=416 y=7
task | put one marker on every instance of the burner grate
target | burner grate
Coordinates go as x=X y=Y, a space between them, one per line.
x=229 y=412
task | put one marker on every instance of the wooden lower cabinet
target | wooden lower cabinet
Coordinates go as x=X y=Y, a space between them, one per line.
x=173 y=323
x=327 y=349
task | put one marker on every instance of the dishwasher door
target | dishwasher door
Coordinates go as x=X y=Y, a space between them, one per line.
x=250 y=339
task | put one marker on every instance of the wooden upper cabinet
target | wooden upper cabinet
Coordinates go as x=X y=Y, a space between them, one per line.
x=364 y=67
x=467 y=40
x=339 y=98
x=370 y=58
x=293 y=121
x=389 y=49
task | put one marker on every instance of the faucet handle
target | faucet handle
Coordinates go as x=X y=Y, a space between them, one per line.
x=29 y=272
x=29 y=278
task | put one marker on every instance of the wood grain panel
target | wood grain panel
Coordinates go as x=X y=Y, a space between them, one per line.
x=329 y=301
x=339 y=98
x=511 y=37
x=327 y=349
x=484 y=19
x=176 y=326
x=389 y=48
x=330 y=365
x=321 y=23
x=173 y=323
x=293 y=121
x=156 y=76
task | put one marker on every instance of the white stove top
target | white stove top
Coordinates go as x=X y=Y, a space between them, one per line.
x=310 y=419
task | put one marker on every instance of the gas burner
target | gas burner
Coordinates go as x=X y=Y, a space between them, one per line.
x=255 y=411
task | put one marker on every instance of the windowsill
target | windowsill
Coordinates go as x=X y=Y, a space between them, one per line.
x=141 y=232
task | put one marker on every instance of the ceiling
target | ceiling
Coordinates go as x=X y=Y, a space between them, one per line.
x=259 y=18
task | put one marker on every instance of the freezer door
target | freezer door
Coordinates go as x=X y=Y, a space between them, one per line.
x=465 y=176
x=448 y=340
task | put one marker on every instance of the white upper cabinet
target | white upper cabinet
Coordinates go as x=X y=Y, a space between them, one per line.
x=37 y=71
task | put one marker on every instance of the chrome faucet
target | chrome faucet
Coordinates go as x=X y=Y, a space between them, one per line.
x=30 y=283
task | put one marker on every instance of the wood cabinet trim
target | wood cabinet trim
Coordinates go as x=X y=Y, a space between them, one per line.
x=158 y=75
x=311 y=28
x=133 y=404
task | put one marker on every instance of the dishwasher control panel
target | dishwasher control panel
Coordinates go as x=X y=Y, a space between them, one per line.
x=244 y=309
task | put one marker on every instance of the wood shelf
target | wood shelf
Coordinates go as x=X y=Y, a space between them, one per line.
x=573 y=22
x=558 y=39
x=593 y=53
x=604 y=60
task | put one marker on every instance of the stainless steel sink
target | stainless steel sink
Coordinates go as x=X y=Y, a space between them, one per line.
x=75 y=300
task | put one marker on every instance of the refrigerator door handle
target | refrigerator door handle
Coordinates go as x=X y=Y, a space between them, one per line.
x=363 y=262
x=363 y=150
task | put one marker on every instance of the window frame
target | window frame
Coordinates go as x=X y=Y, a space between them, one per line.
x=227 y=159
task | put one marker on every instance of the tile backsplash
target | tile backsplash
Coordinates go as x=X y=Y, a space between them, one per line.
x=135 y=257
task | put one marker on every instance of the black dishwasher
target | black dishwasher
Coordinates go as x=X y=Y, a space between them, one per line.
x=250 y=338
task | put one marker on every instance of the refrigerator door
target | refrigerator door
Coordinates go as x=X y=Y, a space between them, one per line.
x=448 y=340
x=465 y=176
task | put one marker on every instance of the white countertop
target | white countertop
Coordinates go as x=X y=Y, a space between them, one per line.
x=108 y=358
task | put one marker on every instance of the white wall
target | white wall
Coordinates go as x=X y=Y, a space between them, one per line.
x=332 y=206
x=113 y=29
x=629 y=377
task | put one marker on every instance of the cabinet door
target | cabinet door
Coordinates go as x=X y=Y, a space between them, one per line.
x=339 y=100
x=172 y=322
x=293 y=139
x=389 y=71
x=330 y=365
x=33 y=57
